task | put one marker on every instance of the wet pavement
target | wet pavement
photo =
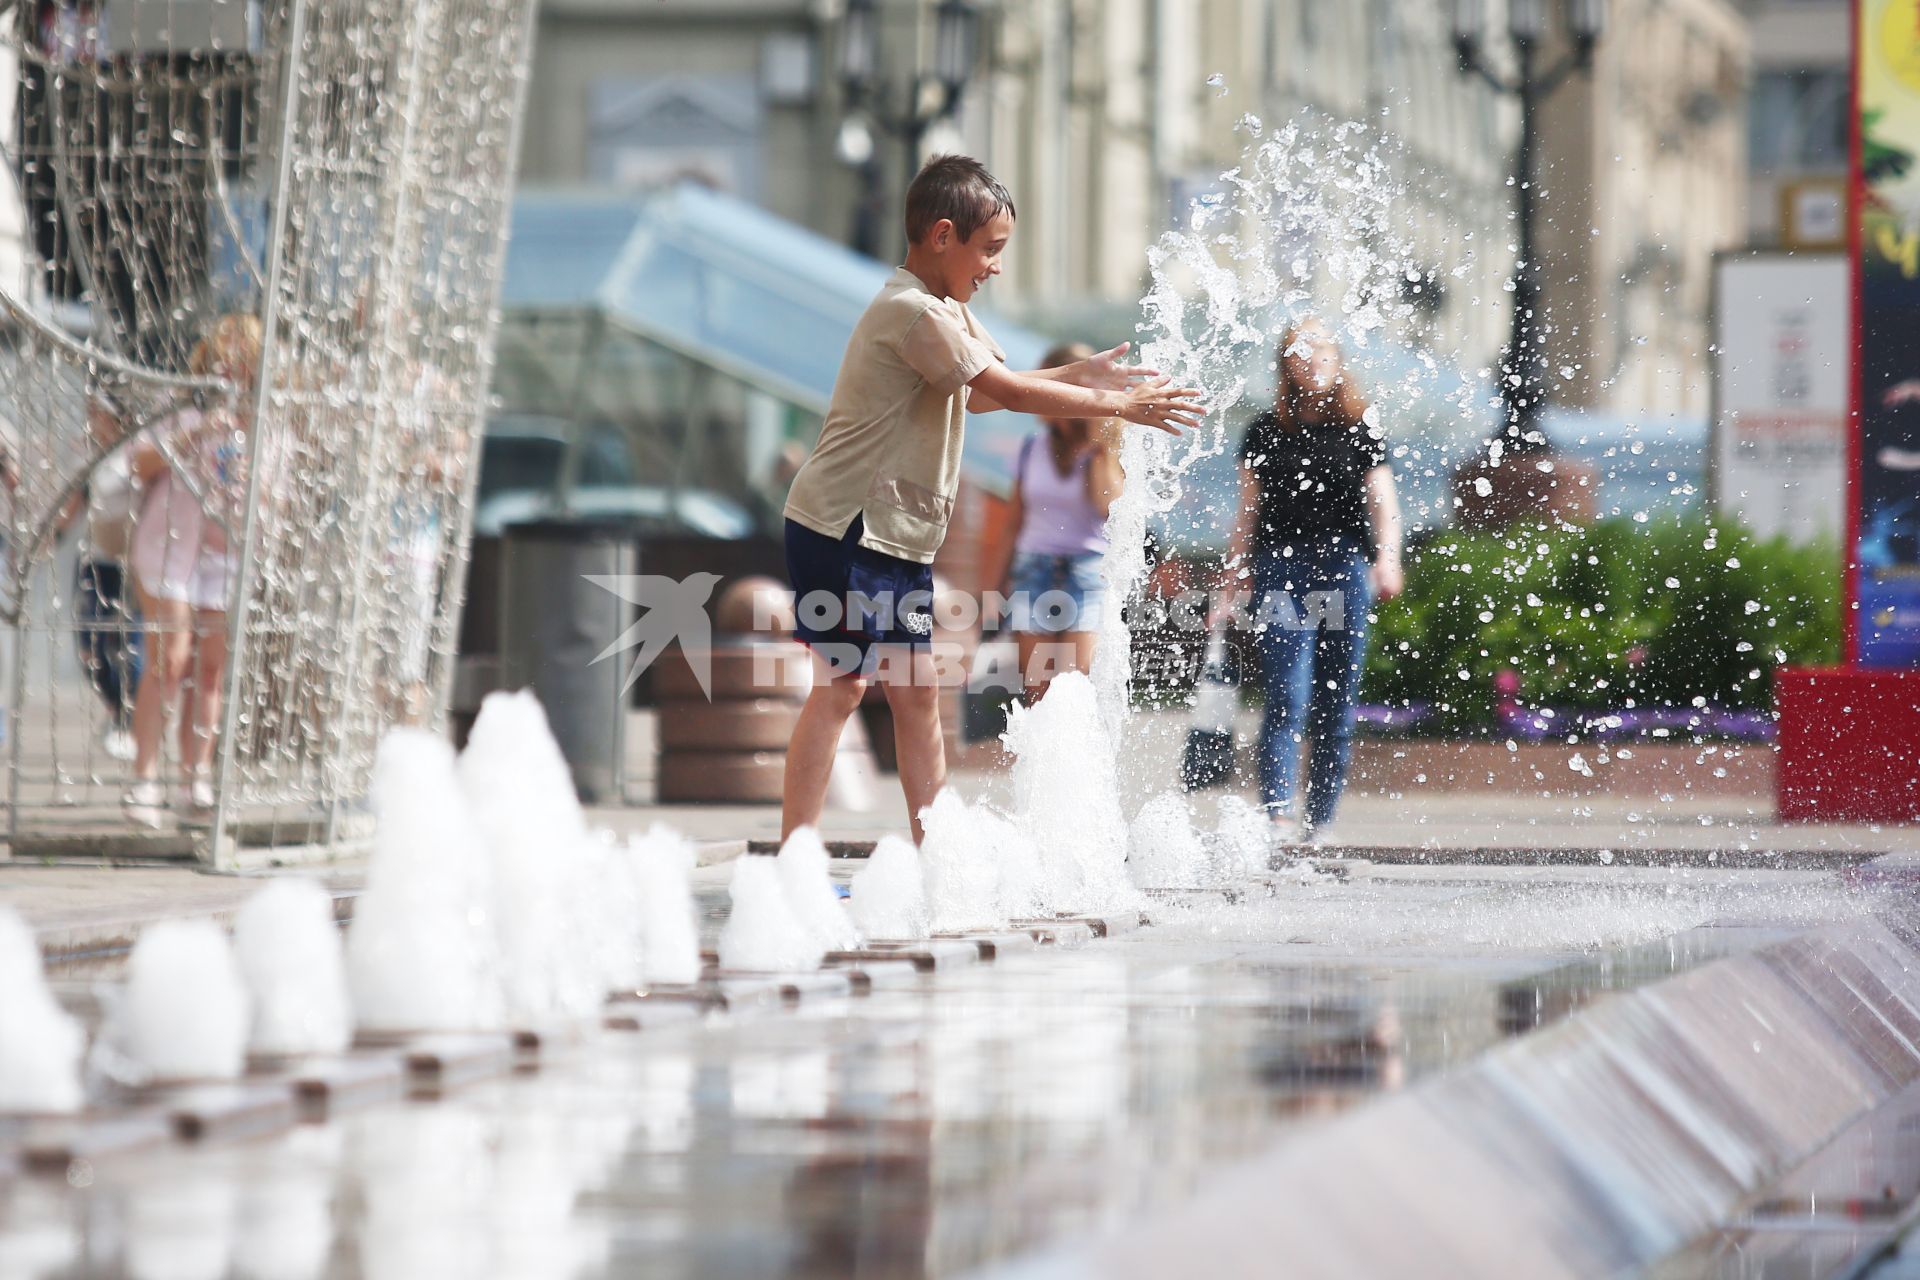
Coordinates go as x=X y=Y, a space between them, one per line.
x=962 y=1120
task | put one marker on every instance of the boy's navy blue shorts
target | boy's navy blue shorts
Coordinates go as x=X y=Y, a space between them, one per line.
x=848 y=599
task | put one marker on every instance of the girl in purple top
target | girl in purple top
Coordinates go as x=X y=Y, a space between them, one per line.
x=1064 y=483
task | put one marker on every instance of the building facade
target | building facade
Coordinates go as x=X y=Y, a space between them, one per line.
x=1097 y=113
x=1797 y=122
x=1106 y=116
x=735 y=93
x=1109 y=115
x=1643 y=180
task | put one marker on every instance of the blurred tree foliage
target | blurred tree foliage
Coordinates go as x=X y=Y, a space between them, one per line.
x=1615 y=616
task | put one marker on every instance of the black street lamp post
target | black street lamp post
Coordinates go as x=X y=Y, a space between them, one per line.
x=905 y=112
x=1524 y=368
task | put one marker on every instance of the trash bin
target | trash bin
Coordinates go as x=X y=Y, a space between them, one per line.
x=554 y=623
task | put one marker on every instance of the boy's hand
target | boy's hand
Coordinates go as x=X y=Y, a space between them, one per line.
x=1104 y=372
x=1155 y=403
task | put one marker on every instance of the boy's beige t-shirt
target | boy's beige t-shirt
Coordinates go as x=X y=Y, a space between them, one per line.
x=890 y=447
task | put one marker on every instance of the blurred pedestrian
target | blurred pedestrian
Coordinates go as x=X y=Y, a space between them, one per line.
x=192 y=469
x=1319 y=532
x=432 y=458
x=1065 y=479
x=105 y=628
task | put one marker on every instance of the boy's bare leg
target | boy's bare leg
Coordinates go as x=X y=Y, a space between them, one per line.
x=816 y=736
x=920 y=751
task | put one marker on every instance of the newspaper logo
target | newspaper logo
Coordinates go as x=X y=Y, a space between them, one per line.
x=670 y=609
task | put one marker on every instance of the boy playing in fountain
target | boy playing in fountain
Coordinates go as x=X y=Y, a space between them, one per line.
x=870 y=507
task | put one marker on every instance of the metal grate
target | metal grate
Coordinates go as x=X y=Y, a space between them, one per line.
x=263 y=245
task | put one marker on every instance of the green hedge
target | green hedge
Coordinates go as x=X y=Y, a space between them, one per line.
x=1620 y=614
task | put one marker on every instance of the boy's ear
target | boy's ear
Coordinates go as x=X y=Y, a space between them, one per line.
x=941 y=234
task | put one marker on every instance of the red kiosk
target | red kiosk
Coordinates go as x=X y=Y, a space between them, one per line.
x=1849 y=736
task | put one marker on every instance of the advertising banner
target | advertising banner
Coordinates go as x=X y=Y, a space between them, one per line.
x=1887 y=486
x=1782 y=343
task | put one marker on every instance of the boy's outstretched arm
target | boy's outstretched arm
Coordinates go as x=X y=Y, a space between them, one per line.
x=1102 y=371
x=1150 y=401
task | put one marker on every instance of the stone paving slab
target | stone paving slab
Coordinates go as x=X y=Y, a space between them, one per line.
x=736 y=992
x=808 y=988
x=228 y=1110
x=55 y=1144
x=994 y=945
x=325 y=1086
x=649 y=1014
x=868 y=976
x=444 y=1060
x=94 y=908
x=930 y=956
x=1058 y=933
x=1114 y=923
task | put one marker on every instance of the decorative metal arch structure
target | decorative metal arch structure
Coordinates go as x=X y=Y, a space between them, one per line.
x=339 y=170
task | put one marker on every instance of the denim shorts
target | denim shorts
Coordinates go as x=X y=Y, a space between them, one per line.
x=860 y=598
x=1052 y=595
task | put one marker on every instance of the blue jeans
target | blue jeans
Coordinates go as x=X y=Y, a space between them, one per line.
x=1054 y=595
x=1310 y=635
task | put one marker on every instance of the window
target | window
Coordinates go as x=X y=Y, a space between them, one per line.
x=1798 y=120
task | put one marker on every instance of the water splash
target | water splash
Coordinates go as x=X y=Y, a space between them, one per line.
x=1067 y=799
x=1312 y=222
x=289 y=951
x=762 y=933
x=660 y=862
x=183 y=1012
x=961 y=865
x=1164 y=851
x=1242 y=838
x=889 y=896
x=607 y=903
x=522 y=798
x=41 y=1044
x=803 y=865
x=422 y=953
x=1023 y=872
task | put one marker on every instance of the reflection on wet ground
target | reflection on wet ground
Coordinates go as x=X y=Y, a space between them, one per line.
x=919 y=1131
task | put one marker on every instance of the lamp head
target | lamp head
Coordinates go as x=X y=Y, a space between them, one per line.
x=1526 y=21
x=955 y=34
x=1587 y=21
x=859 y=47
x=1467 y=20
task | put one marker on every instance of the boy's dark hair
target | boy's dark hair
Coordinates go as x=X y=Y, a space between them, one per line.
x=959 y=189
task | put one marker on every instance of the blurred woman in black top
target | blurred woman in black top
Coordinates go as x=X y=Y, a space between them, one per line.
x=1319 y=532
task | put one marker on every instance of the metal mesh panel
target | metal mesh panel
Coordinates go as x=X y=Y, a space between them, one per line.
x=264 y=241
